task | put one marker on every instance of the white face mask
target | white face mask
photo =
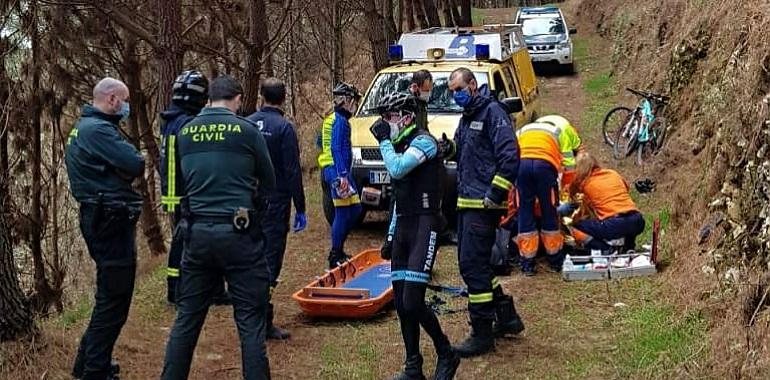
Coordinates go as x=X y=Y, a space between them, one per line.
x=394 y=130
x=425 y=96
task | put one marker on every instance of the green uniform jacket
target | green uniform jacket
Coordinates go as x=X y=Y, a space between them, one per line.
x=223 y=161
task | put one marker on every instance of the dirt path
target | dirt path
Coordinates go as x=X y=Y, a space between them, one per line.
x=574 y=330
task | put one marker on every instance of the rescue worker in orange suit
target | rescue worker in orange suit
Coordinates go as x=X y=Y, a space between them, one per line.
x=570 y=145
x=487 y=163
x=605 y=195
x=541 y=161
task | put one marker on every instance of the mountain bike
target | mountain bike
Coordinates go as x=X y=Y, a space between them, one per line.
x=642 y=130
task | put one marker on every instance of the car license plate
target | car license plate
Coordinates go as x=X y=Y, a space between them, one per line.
x=379 y=177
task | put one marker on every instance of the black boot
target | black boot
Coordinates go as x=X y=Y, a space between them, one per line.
x=336 y=258
x=508 y=321
x=412 y=369
x=528 y=266
x=274 y=332
x=446 y=365
x=479 y=342
x=556 y=261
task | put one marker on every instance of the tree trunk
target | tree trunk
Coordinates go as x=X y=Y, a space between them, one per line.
x=419 y=13
x=455 y=12
x=133 y=75
x=254 y=51
x=338 y=54
x=409 y=13
x=15 y=314
x=44 y=295
x=400 y=18
x=446 y=11
x=431 y=12
x=465 y=13
x=376 y=38
x=390 y=25
x=170 y=54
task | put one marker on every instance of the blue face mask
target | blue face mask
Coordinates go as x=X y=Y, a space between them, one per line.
x=462 y=97
x=125 y=110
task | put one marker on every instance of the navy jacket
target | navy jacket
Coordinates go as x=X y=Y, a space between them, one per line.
x=281 y=140
x=223 y=163
x=487 y=152
x=100 y=160
x=173 y=119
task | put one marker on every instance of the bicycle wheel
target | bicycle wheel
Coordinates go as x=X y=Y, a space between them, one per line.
x=660 y=129
x=626 y=139
x=615 y=119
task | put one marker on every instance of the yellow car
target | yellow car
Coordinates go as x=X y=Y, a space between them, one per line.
x=507 y=72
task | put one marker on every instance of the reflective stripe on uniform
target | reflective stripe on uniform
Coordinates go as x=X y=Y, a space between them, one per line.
x=325 y=157
x=409 y=275
x=495 y=282
x=476 y=203
x=480 y=297
x=170 y=200
x=352 y=200
x=502 y=183
x=172 y=272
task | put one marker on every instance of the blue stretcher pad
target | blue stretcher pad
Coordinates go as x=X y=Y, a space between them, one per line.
x=375 y=278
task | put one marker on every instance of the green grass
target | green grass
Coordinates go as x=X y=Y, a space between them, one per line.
x=356 y=362
x=79 y=312
x=150 y=296
x=654 y=339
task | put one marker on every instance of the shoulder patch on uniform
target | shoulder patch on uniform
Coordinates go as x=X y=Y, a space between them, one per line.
x=477 y=125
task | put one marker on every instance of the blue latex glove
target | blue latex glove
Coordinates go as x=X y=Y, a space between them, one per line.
x=300 y=221
x=566 y=209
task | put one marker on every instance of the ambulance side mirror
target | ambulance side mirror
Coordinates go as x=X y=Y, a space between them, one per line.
x=513 y=105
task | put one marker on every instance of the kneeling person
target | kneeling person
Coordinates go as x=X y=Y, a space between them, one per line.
x=411 y=158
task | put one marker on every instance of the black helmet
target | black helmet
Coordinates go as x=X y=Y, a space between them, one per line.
x=344 y=89
x=398 y=101
x=190 y=89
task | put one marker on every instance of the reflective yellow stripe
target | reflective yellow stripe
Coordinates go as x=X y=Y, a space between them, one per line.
x=552 y=131
x=476 y=203
x=355 y=199
x=172 y=272
x=480 y=298
x=171 y=199
x=325 y=158
x=502 y=183
x=495 y=282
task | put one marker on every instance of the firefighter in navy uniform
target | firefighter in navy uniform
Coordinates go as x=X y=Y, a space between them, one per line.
x=101 y=164
x=223 y=163
x=281 y=141
x=412 y=159
x=487 y=165
x=189 y=95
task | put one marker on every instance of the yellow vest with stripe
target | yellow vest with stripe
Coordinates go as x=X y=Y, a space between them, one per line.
x=325 y=157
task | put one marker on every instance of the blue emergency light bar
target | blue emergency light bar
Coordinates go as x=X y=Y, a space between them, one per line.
x=539 y=10
x=482 y=52
x=395 y=53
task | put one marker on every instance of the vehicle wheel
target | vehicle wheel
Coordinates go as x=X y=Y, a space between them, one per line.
x=569 y=69
x=613 y=121
x=660 y=126
x=327 y=204
x=626 y=140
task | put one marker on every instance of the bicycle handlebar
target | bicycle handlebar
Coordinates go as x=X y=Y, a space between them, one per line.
x=663 y=99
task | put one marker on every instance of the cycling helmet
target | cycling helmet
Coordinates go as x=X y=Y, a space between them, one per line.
x=555 y=120
x=345 y=89
x=397 y=102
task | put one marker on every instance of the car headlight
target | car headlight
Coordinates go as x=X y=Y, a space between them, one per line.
x=357 y=157
x=564 y=44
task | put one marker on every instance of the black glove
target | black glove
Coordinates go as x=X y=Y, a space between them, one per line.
x=386 y=252
x=495 y=197
x=380 y=130
x=446 y=148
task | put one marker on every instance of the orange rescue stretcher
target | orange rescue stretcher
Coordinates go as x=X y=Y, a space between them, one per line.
x=359 y=288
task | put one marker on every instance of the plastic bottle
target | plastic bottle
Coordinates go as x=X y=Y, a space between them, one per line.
x=568 y=264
